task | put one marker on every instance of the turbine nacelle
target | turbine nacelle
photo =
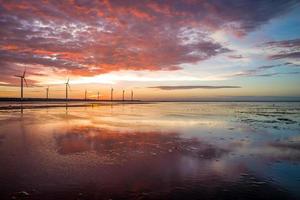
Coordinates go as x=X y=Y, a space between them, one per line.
x=67 y=86
x=23 y=77
x=67 y=83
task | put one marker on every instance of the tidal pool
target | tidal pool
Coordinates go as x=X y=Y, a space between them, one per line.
x=151 y=151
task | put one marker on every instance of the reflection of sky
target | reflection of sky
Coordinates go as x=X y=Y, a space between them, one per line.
x=93 y=142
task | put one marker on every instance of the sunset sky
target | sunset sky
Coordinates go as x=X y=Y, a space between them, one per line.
x=163 y=50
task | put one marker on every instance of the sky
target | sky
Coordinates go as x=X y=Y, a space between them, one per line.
x=162 y=50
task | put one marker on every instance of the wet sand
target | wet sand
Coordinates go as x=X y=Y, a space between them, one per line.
x=13 y=105
x=151 y=151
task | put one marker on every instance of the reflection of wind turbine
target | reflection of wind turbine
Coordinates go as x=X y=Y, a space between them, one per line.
x=47 y=92
x=112 y=94
x=123 y=95
x=22 y=81
x=67 y=87
x=131 y=95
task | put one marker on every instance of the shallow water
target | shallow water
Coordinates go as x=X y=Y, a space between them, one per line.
x=152 y=151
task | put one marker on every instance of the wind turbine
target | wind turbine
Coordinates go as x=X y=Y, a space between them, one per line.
x=47 y=92
x=112 y=94
x=123 y=95
x=67 y=87
x=22 y=82
x=85 y=94
x=98 y=96
x=131 y=95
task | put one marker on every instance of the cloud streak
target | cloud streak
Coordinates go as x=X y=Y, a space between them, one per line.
x=260 y=71
x=189 y=87
x=284 y=49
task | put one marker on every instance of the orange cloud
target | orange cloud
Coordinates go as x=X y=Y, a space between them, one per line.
x=9 y=47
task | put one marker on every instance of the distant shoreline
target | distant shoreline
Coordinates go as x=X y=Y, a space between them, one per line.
x=16 y=104
x=62 y=105
x=9 y=99
x=18 y=100
x=40 y=103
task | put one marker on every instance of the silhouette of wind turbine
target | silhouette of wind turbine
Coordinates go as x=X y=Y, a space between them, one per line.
x=123 y=95
x=22 y=82
x=131 y=95
x=67 y=87
x=112 y=94
x=47 y=93
x=98 y=96
x=85 y=94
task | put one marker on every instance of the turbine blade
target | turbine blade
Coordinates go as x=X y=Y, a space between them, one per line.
x=25 y=82
x=24 y=72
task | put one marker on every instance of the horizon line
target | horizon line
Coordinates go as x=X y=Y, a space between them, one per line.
x=286 y=99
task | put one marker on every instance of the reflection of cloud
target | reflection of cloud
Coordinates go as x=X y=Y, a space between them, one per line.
x=287 y=146
x=278 y=151
x=118 y=146
x=188 y=87
x=2 y=137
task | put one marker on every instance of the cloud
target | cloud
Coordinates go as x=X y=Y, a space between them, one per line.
x=235 y=56
x=260 y=71
x=188 y=87
x=284 y=43
x=278 y=73
x=295 y=55
x=292 y=64
x=88 y=38
x=264 y=67
x=284 y=49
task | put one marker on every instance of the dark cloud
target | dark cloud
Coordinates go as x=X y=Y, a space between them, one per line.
x=292 y=64
x=188 y=87
x=235 y=56
x=93 y=37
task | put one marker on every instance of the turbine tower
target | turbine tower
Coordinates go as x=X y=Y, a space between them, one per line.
x=22 y=82
x=47 y=93
x=85 y=94
x=98 y=98
x=67 y=87
x=112 y=94
x=123 y=95
x=131 y=95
